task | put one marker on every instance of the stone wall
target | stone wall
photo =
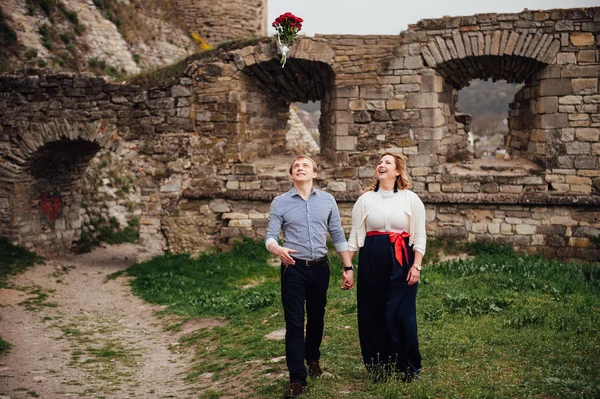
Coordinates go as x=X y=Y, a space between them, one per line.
x=208 y=146
x=224 y=20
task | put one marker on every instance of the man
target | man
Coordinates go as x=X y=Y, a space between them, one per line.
x=305 y=215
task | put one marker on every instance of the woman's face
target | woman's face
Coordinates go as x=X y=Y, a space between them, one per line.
x=386 y=168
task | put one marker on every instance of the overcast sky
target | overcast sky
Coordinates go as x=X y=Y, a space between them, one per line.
x=390 y=17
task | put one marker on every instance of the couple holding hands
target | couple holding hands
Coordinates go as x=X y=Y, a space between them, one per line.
x=388 y=231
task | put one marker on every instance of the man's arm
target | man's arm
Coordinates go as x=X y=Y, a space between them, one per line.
x=341 y=246
x=273 y=229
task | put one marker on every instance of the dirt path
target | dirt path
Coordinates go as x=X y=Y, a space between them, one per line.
x=97 y=341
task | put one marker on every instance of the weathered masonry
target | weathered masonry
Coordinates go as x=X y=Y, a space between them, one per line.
x=207 y=146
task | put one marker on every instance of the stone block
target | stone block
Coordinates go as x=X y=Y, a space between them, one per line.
x=336 y=186
x=585 y=86
x=578 y=148
x=432 y=117
x=421 y=160
x=233 y=185
x=587 y=134
x=235 y=215
x=491 y=188
x=580 y=242
x=578 y=180
x=250 y=185
x=585 y=56
x=432 y=83
x=471 y=188
x=547 y=105
x=428 y=133
x=422 y=100
x=570 y=100
x=375 y=105
x=345 y=143
x=566 y=58
x=395 y=104
x=585 y=162
x=356 y=105
x=554 y=121
x=346 y=92
x=428 y=147
x=525 y=229
x=413 y=62
x=452 y=188
x=219 y=206
x=240 y=223
x=241 y=169
x=555 y=87
x=434 y=187
x=494 y=228
x=581 y=39
x=511 y=188
x=376 y=92
x=505 y=228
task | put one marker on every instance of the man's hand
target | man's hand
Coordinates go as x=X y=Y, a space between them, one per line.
x=284 y=255
x=347 y=280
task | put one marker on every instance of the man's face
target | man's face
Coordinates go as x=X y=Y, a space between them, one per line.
x=303 y=170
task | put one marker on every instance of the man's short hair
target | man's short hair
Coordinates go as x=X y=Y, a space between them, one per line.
x=315 y=167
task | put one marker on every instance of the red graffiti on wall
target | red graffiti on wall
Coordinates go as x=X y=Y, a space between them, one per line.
x=50 y=207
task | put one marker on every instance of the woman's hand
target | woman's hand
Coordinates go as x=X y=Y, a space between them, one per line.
x=347 y=280
x=413 y=276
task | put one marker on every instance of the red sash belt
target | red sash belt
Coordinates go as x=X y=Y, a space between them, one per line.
x=398 y=240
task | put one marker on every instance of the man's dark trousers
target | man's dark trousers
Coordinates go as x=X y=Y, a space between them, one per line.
x=298 y=284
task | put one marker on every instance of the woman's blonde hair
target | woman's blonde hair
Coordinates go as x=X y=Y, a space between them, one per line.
x=402 y=180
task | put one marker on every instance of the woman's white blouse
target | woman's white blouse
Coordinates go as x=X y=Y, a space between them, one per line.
x=382 y=212
x=388 y=211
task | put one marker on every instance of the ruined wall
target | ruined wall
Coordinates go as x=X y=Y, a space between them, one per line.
x=224 y=20
x=208 y=145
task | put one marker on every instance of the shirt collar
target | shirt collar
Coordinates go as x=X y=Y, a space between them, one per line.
x=294 y=192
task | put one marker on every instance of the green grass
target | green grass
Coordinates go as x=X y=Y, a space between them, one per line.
x=499 y=325
x=14 y=260
x=4 y=346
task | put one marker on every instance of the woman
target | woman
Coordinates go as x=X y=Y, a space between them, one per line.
x=388 y=227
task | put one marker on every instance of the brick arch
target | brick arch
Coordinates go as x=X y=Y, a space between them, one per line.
x=42 y=173
x=500 y=54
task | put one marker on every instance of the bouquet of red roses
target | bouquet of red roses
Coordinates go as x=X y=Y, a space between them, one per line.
x=287 y=26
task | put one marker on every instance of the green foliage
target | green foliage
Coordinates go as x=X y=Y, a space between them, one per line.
x=4 y=346
x=154 y=77
x=137 y=58
x=8 y=36
x=210 y=284
x=499 y=325
x=14 y=260
x=31 y=53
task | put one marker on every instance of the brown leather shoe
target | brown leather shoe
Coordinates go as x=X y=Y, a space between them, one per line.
x=295 y=389
x=314 y=370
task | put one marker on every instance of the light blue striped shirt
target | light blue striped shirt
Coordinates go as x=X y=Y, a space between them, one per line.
x=305 y=223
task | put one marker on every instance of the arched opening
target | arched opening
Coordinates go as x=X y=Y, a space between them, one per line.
x=303 y=84
x=485 y=105
x=48 y=203
x=303 y=135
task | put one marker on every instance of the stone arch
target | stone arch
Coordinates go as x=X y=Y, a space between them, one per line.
x=514 y=56
x=501 y=54
x=40 y=180
x=307 y=76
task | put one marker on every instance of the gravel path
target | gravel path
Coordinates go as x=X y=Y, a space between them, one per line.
x=91 y=337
